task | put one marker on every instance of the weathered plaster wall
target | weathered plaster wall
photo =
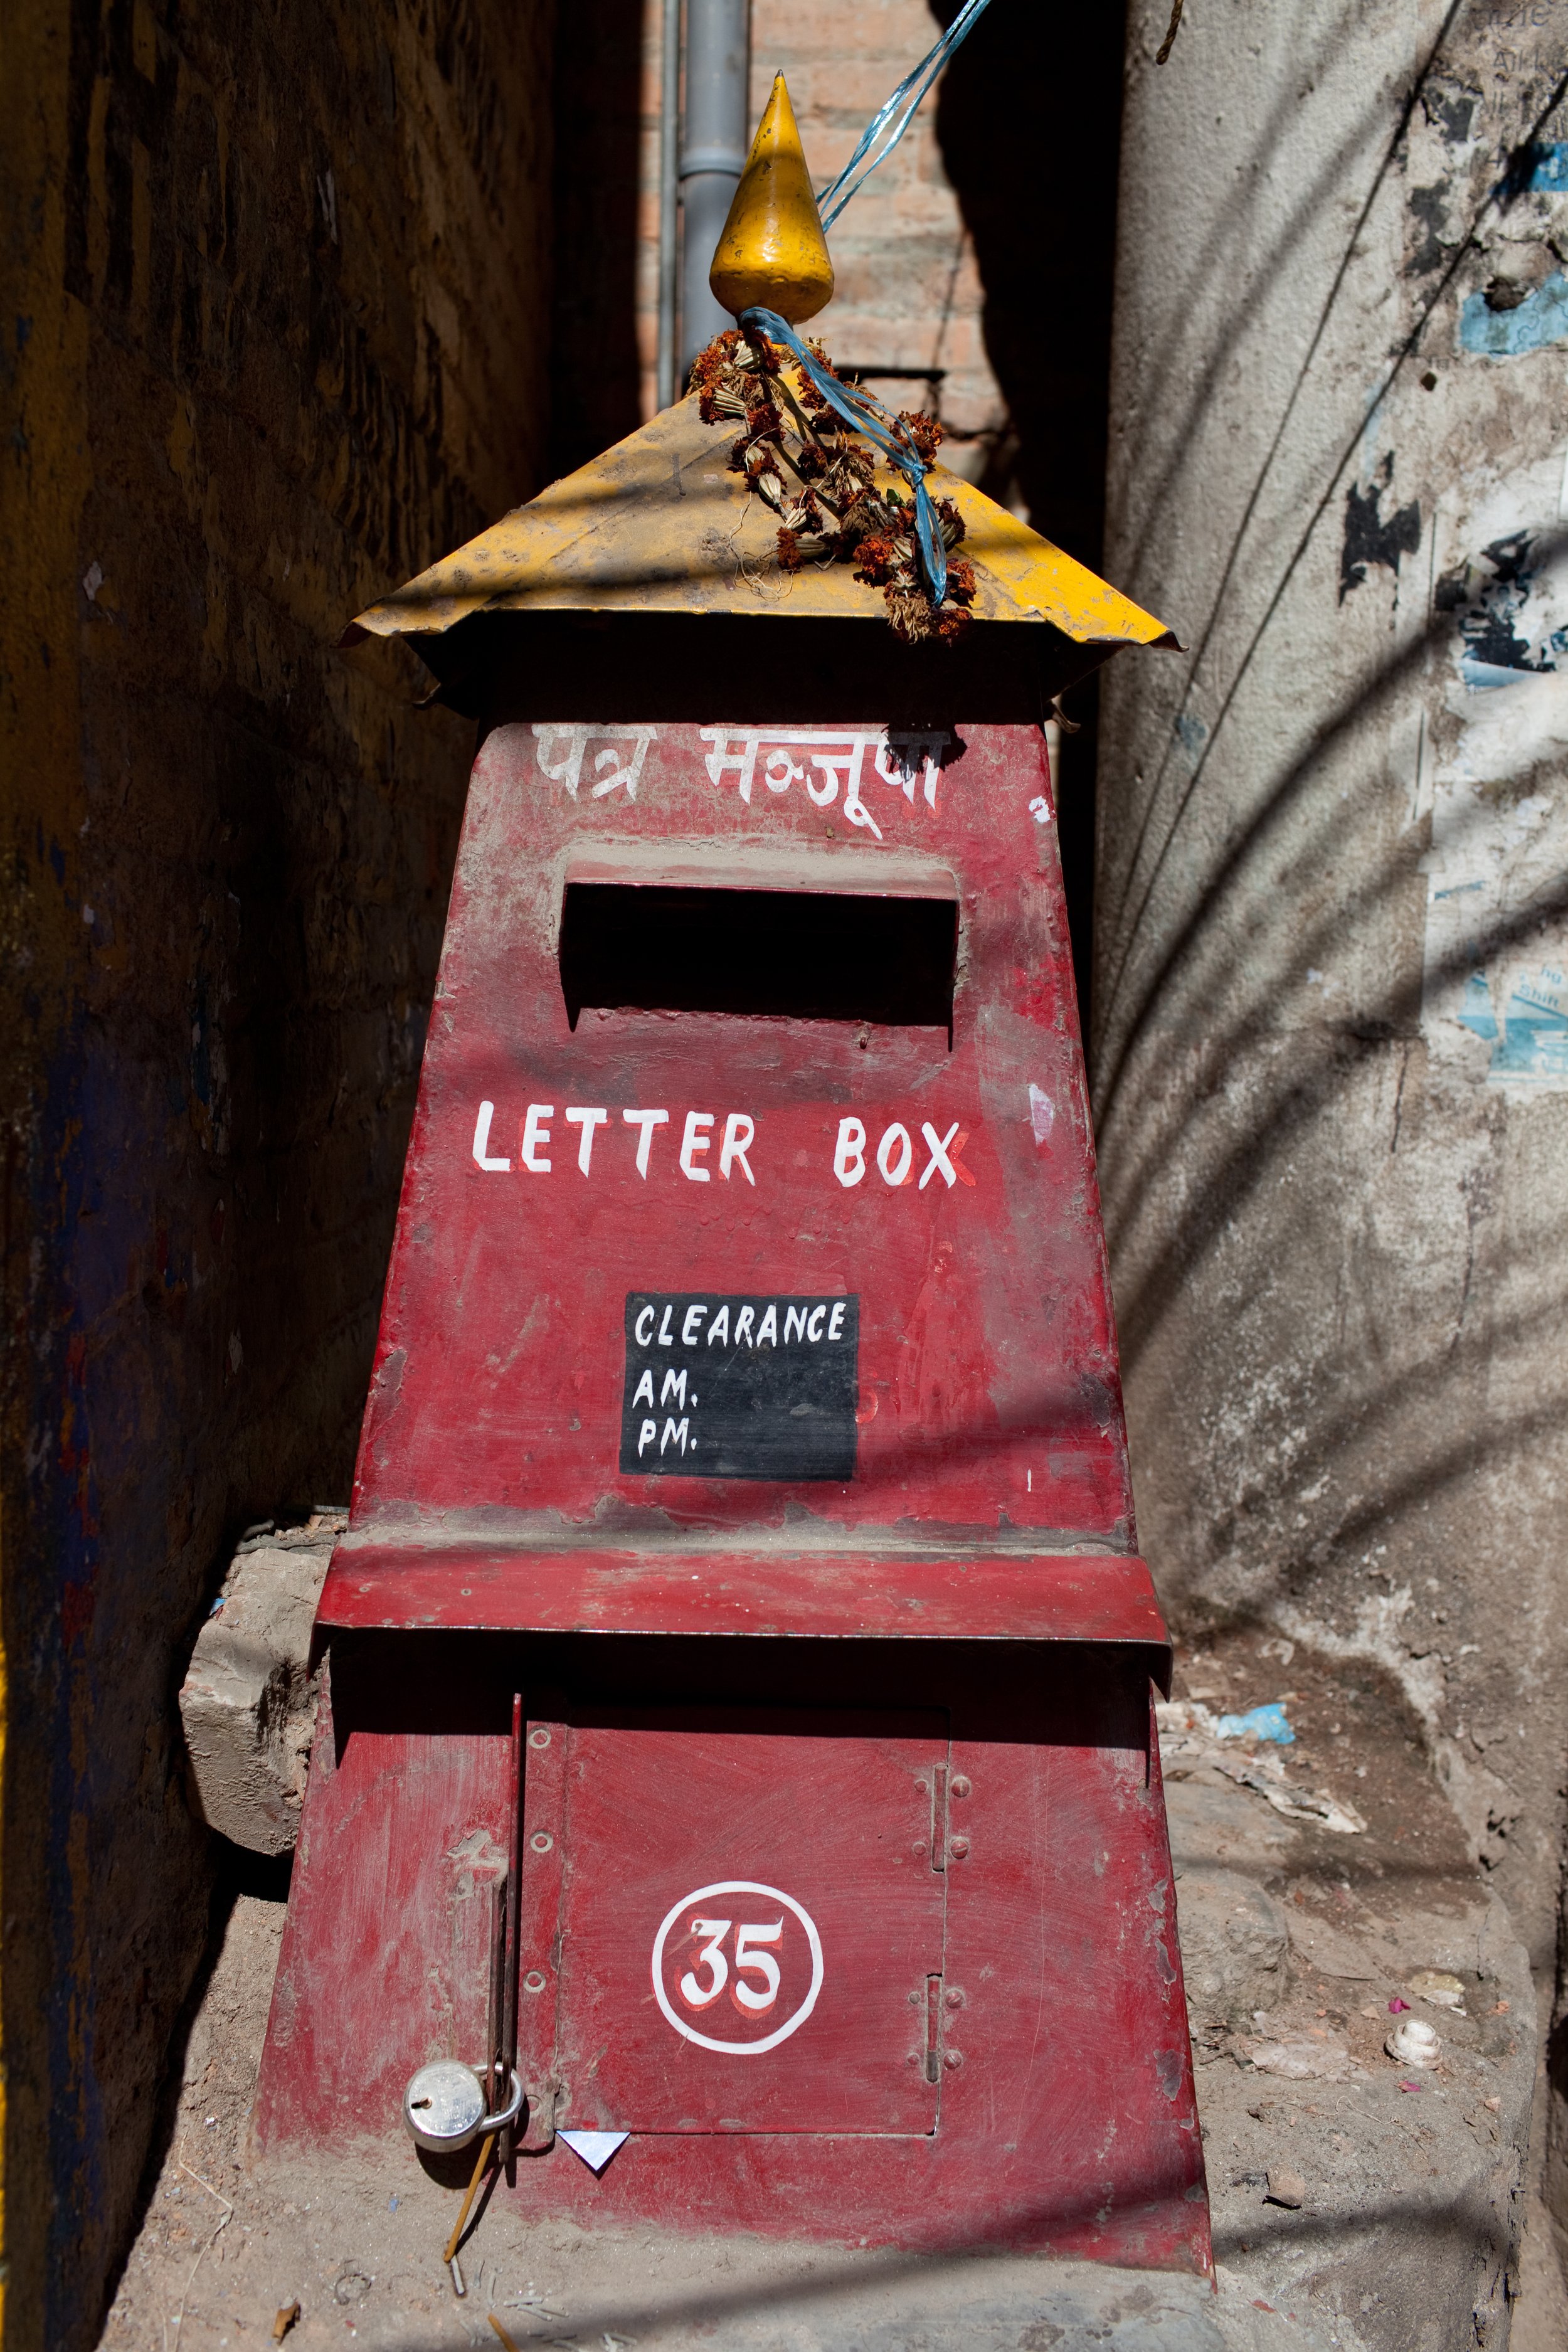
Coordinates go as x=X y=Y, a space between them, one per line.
x=1332 y=1049
x=275 y=336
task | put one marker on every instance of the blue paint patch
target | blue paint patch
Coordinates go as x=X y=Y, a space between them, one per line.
x=1548 y=167
x=1535 y=1032
x=1191 y=735
x=1479 y=675
x=1476 y=1013
x=1540 y=320
x=1530 y=1041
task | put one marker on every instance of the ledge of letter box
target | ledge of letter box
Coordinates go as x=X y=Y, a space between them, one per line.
x=852 y=869
x=416 y=1583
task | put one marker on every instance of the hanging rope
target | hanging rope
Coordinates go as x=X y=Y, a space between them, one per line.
x=868 y=416
x=1172 y=29
x=888 y=125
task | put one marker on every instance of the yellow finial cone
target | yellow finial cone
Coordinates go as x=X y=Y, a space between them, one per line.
x=772 y=249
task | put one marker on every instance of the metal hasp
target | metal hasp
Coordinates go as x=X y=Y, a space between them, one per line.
x=747 y=1397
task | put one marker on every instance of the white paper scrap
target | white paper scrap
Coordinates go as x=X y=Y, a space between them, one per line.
x=595 y=2148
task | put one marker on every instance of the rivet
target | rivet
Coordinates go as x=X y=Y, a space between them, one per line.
x=918 y=1849
x=923 y=1787
x=541 y=1841
x=953 y=2058
x=959 y=1785
x=958 y=1848
x=953 y=1997
x=539 y=1739
x=533 y=1981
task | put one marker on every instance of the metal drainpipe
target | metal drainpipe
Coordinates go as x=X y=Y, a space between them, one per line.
x=669 y=193
x=712 y=156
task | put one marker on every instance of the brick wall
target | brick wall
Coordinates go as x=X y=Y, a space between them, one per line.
x=276 y=335
x=983 y=247
x=908 y=294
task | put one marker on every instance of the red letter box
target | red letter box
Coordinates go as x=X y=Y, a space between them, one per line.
x=746 y=1404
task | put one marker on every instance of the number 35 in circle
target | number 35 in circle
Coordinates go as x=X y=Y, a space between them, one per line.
x=737 y=1967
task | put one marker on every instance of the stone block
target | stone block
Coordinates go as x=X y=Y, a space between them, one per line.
x=249 y=1700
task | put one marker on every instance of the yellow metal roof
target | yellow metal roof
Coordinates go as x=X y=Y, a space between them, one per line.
x=658 y=524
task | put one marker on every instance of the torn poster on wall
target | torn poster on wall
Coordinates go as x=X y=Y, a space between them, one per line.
x=1496 y=965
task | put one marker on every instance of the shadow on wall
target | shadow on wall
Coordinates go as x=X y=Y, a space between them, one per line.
x=279 y=275
x=1036 y=183
x=1338 y=1268
x=1029 y=120
x=594 y=355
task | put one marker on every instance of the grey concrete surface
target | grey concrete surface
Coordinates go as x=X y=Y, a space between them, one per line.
x=1330 y=1055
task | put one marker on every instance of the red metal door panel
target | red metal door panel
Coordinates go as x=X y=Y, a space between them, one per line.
x=1068 y=2027
x=750 y=1931
x=386 y=1950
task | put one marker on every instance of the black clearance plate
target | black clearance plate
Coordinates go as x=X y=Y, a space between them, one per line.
x=725 y=1387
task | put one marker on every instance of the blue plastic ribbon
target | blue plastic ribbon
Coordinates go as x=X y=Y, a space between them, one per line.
x=908 y=95
x=868 y=416
x=1259 y=1723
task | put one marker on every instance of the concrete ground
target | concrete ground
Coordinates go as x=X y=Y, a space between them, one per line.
x=1358 y=2203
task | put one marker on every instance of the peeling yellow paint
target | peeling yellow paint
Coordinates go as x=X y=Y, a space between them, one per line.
x=659 y=524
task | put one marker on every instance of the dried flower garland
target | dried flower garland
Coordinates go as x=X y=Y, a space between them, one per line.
x=790 y=431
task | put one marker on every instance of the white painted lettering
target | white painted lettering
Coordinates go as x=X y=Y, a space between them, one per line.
x=719 y=1326
x=838 y=757
x=692 y=1326
x=794 y=1323
x=646 y=1436
x=559 y=751
x=587 y=1120
x=849 y=1153
x=814 y=1322
x=736 y=1145
x=666 y=1335
x=645 y=1394
x=743 y=1322
x=939 y=1159
x=647 y=1120
x=693 y=1141
x=644 y=1314
x=674 y=1432
x=720 y=757
x=768 y=1329
x=535 y=1134
x=674 y=1386
x=836 y=1321
x=749 y=1959
x=482 y=1141
x=836 y=753
x=894 y=1156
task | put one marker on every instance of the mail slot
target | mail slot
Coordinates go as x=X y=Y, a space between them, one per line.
x=740 y=1626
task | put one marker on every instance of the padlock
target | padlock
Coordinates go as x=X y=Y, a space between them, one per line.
x=444 y=2106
